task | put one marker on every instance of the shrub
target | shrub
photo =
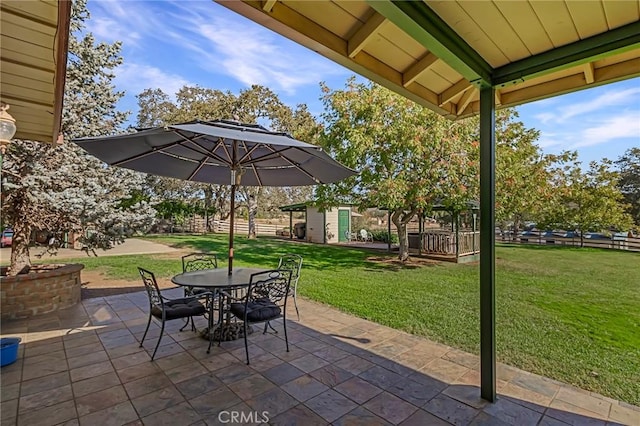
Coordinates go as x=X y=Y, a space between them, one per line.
x=383 y=236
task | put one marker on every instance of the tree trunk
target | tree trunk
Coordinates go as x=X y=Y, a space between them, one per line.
x=516 y=228
x=400 y=219
x=20 y=261
x=208 y=201
x=403 y=239
x=253 y=209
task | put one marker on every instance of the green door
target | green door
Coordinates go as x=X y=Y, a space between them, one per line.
x=343 y=225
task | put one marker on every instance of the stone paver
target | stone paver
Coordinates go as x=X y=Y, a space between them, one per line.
x=84 y=366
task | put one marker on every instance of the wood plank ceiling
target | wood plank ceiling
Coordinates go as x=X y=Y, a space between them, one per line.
x=439 y=53
x=33 y=40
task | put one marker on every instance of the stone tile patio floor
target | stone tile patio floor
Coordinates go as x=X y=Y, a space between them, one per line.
x=83 y=366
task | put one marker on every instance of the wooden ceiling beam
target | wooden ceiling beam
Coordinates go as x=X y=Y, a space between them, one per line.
x=609 y=43
x=573 y=83
x=357 y=42
x=453 y=91
x=267 y=5
x=417 y=68
x=422 y=24
x=589 y=73
x=465 y=100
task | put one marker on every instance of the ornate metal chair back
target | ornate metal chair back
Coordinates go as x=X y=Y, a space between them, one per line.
x=199 y=261
x=293 y=263
x=151 y=285
x=273 y=284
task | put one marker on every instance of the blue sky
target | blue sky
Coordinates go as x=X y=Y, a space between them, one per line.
x=169 y=44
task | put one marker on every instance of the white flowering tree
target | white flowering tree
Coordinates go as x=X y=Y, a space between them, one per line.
x=60 y=188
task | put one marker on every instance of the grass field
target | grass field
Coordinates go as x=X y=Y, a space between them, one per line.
x=566 y=313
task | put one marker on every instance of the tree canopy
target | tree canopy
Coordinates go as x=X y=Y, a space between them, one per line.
x=629 y=183
x=61 y=189
x=585 y=200
x=408 y=157
x=256 y=104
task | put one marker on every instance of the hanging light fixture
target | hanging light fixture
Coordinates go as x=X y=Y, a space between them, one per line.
x=7 y=128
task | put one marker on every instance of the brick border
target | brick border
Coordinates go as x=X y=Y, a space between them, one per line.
x=37 y=293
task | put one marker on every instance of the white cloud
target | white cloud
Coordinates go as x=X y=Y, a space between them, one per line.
x=135 y=78
x=128 y=21
x=550 y=140
x=581 y=105
x=212 y=39
x=234 y=46
x=545 y=117
x=106 y=29
x=625 y=125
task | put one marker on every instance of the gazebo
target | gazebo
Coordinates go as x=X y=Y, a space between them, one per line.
x=460 y=244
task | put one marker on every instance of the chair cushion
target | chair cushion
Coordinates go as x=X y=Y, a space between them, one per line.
x=258 y=310
x=179 y=308
x=199 y=290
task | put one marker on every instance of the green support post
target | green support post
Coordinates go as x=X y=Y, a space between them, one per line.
x=487 y=245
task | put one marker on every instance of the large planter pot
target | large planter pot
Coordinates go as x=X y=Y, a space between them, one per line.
x=45 y=289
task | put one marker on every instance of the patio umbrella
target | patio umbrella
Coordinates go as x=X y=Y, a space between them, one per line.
x=219 y=152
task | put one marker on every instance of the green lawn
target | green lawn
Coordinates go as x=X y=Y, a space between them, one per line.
x=566 y=313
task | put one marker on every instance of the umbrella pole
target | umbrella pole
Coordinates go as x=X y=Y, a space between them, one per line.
x=233 y=207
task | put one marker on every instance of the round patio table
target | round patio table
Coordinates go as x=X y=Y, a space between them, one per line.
x=220 y=284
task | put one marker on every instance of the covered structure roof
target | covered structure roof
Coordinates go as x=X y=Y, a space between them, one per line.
x=439 y=53
x=34 y=38
x=298 y=207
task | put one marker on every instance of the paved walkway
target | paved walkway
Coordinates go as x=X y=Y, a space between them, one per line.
x=84 y=366
x=130 y=246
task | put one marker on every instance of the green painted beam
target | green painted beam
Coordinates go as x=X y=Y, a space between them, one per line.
x=590 y=49
x=487 y=245
x=428 y=29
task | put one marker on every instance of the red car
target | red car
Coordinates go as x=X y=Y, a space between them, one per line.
x=7 y=238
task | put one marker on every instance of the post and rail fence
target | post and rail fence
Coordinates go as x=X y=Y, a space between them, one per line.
x=443 y=242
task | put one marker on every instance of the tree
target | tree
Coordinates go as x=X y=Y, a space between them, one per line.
x=587 y=200
x=254 y=105
x=61 y=189
x=629 y=183
x=522 y=178
x=408 y=157
x=154 y=108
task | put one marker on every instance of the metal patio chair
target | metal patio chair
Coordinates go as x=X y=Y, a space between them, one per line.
x=165 y=309
x=198 y=261
x=293 y=263
x=265 y=301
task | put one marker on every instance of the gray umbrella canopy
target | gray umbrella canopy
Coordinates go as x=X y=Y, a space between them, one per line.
x=208 y=152
x=219 y=152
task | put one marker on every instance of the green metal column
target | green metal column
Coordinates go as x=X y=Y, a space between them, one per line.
x=291 y=225
x=487 y=245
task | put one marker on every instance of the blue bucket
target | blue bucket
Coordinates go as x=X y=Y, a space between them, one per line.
x=9 y=350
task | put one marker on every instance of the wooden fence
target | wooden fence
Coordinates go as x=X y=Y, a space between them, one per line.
x=242 y=227
x=545 y=238
x=444 y=243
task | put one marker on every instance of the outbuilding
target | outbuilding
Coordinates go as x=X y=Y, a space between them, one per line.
x=328 y=226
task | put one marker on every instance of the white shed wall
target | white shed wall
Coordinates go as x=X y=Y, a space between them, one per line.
x=332 y=225
x=315 y=225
